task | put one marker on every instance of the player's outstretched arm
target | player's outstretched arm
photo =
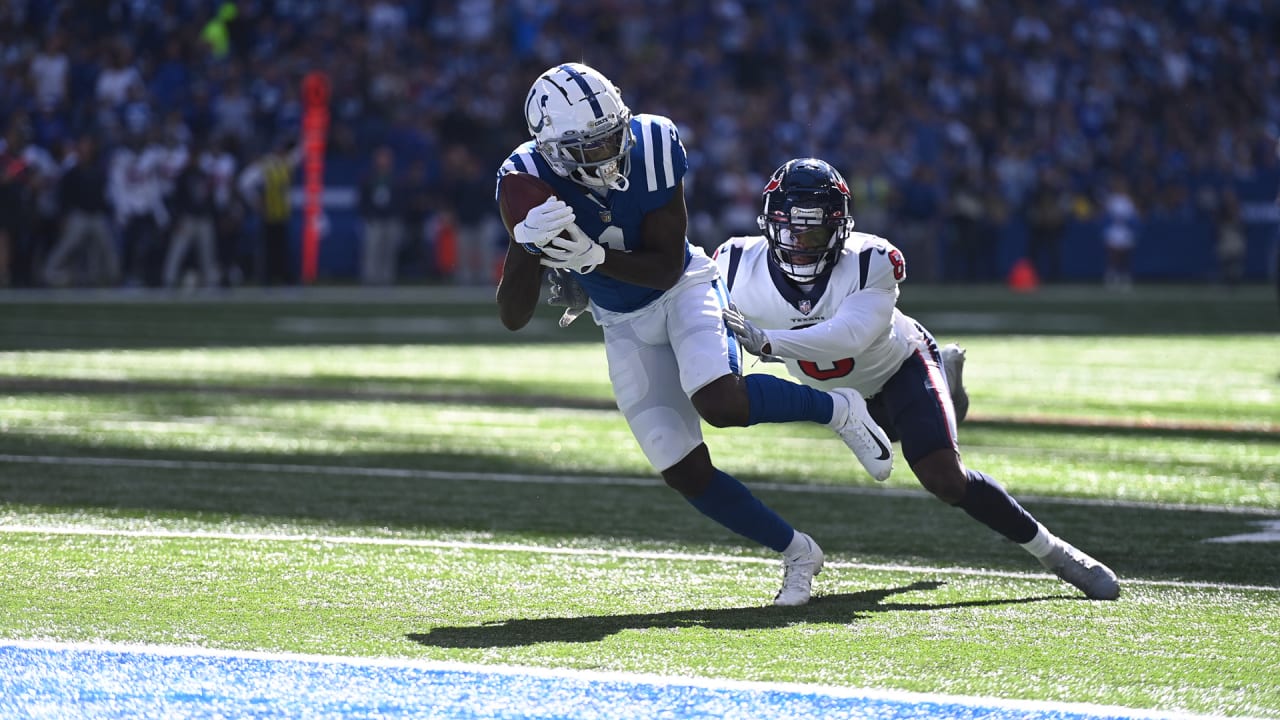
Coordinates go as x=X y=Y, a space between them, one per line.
x=659 y=262
x=519 y=287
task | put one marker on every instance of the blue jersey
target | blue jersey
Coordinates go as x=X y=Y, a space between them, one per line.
x=658 y=163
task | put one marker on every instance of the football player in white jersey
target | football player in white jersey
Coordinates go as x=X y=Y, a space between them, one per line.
x=824 y=299
x=619 y=194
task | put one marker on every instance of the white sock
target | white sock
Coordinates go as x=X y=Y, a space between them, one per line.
x=1042 y=544
x=800 y=545
x=839 y=409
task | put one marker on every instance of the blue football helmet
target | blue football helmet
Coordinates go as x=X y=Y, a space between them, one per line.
x=808 y=215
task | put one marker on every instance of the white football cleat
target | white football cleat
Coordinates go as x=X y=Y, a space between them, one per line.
x=797 y=575
x=953 y=367
x=1090 y=576
x=864 y=437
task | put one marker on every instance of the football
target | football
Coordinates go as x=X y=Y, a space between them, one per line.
x=519 y=192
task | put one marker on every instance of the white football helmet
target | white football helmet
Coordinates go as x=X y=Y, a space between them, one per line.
x=581 y=126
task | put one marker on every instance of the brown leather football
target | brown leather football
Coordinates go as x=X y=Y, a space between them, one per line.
x=518 y=193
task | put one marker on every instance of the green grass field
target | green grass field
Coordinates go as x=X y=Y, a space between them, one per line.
x=392 y=475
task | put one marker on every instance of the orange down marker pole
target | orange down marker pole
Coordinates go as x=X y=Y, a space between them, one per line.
x=315 y=128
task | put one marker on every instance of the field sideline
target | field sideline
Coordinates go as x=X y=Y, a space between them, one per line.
x=331 y=488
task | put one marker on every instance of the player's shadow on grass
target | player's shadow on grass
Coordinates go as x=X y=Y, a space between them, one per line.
x=840 y=608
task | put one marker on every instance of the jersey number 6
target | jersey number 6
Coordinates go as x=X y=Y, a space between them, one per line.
x=839 y=368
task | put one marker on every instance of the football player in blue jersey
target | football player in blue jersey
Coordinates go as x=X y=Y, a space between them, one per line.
x=619 y=197
x=823 y=298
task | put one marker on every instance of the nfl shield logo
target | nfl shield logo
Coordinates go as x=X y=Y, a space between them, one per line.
x=806 y=307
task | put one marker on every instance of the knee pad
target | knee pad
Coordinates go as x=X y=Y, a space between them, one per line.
x=665 y=435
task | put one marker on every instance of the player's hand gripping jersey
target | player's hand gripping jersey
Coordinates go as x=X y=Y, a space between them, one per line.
x=862 y=339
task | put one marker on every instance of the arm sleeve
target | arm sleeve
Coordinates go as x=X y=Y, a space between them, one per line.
x=861 y=318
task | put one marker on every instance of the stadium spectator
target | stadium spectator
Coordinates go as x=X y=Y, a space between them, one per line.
x=50 y=70
x=229 y=216
x=117 y=79
x=419 y=251
x=194 y=210
x=198 y=114
x=135 y=186
x=15 y=196
x=891 y=86
x=216 y=34
x=873 y=200
x=45 y=213
x=1120 y=218
x=266 y=185
x=920 y=213
x=736 y=194
x=465 y=202
x=1231 y=246
x=1046 y=221
x=1275 y=270
x=233 y=111
x=971 y=235
x=1275 y=245
x=86 y=229
x=382 y=211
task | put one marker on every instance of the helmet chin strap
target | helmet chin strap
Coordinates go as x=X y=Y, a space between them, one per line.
x=617 y=181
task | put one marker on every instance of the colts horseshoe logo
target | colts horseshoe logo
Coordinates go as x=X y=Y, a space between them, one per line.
x=542 y=114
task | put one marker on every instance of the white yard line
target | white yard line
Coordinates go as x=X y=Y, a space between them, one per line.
x=451 y=545
x=520 y=479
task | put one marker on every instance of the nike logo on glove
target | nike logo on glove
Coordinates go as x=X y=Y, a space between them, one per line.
x=884 y=451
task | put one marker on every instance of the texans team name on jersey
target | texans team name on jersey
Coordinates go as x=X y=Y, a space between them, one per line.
x=806 y=320
x=657 y=165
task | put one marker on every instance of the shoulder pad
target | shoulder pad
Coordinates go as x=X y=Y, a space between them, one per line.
x=881 y=264
x=661 y=160
x=738 y=242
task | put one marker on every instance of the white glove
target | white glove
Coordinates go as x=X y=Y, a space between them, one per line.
x=542 y=224
x=579 y=253
x=753 y=339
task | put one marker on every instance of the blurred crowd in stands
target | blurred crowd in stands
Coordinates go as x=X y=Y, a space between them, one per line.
x=148 y=141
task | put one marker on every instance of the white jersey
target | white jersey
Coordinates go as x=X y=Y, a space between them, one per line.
x=844 y=330
x=134 y=185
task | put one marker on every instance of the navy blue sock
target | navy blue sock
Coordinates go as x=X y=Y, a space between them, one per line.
x=990 y=504
x=776 y=400
x=731 y=504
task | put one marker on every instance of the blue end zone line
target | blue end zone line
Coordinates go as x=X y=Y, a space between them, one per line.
x=158 y=533
x=51 y=679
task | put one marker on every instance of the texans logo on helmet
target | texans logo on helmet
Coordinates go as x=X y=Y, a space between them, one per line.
x=775 y=182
